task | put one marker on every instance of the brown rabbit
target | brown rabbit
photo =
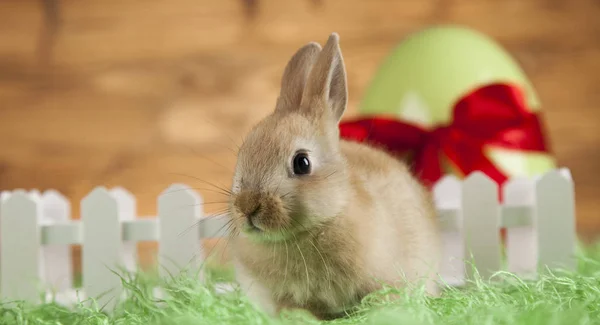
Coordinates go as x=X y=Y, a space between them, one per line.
x=320 y=222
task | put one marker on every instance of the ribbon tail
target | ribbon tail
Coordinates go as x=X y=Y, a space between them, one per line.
x=427 y=165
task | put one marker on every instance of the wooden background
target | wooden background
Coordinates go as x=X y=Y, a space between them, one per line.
x=144 y=93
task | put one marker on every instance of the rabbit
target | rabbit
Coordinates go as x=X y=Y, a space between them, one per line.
x=318 y=222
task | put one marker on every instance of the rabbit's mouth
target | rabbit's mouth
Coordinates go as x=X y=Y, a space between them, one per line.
x=263 y=228
x=274 y=235
x=251 y=227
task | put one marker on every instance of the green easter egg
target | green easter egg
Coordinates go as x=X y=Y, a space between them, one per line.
x=428 y=72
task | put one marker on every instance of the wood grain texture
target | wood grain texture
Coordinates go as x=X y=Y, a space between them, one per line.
x=143 y=94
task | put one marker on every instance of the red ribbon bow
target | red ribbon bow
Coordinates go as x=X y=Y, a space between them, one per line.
x=495 y=115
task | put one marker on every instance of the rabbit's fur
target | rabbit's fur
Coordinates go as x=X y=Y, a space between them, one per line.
x=323 y=241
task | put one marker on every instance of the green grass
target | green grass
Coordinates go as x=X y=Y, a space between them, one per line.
x=557 y=297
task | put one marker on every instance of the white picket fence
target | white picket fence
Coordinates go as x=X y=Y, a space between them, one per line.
x=36 y=229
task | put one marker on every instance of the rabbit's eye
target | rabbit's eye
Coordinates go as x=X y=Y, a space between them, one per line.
x=301 y=164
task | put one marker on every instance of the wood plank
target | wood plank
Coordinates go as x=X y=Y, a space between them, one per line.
x=20 y=24
x=542 y=23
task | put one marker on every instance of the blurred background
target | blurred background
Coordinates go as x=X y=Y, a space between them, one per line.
x=146 y=93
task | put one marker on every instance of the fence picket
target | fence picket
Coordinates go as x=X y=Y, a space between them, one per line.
x=20 y=266
x=521 y=245
x=179 y=211
x=555 y=221
x=481 y=221
x=566 y=173
x=101 y=251
x=127 y=212
x=57 y=258
x=447 y=196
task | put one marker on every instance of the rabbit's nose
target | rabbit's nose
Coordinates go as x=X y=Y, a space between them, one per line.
x=251 y=216
x=254 y=211
x=250 y=206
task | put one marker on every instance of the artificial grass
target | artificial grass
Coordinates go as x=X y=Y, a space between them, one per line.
x=556 y=297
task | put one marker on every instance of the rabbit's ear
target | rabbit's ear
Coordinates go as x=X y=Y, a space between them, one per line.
x=326 y=93
x=295 y=76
